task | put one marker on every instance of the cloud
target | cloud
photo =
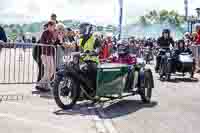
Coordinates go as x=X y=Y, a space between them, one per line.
x=97 y=11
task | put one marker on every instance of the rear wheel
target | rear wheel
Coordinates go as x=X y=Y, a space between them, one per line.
x=66 y=92
x=146 y=91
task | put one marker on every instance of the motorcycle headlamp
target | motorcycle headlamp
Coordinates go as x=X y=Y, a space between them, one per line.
x=168 y=54
x=75 y=60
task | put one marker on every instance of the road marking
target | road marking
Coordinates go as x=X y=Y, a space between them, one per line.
x=98 y=122
x=28 y=121
x=107 y=122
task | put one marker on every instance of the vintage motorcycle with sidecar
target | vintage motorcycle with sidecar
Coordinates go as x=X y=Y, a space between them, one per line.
x=183 y=63
x=85 y=78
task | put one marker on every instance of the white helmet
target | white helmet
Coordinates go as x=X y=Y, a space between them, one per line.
x=186 y=34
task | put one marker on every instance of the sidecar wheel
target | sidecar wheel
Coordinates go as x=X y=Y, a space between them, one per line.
x=69 y=91
x=192 y=72
x=146 y=92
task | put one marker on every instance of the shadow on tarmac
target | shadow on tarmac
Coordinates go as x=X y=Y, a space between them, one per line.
x=178 y=80
x=125 y=107
x=113 y=110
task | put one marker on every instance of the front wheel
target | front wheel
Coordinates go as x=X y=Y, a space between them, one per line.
x=66 y=92
x=192 y=71
x=146 y=91
x=168 y=75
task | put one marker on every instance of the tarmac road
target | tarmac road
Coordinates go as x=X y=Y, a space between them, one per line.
x=175 y=108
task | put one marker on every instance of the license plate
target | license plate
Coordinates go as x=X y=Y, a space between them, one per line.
x=168 y=54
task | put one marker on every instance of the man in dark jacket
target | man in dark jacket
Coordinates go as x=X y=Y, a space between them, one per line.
x=148 y=43
x=2 y=35
x=163 y=42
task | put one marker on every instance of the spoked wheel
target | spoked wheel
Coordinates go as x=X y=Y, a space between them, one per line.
x=146 y=91
x=66 y=92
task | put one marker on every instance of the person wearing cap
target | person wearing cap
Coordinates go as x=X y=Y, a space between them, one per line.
x=54 y=18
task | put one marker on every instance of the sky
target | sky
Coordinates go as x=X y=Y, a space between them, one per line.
x=94 y=11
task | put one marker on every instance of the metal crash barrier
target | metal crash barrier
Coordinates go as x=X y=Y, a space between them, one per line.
x=64 y=53
x=23 y=63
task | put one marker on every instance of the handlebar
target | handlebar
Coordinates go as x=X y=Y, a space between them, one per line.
x=82 y=54
x=88 y=53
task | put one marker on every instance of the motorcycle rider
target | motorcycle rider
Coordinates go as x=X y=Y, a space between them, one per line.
x=148 y=43
x=88 y=42
x=164 y=43
x=181 y=48
x=123 y=55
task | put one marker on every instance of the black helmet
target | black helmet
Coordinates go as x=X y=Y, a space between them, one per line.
x=85 y=28
x=166 y=31
x=122 y=47
x=53 y=15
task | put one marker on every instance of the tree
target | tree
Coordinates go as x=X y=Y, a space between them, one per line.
x=143 y=20
x=100 y=28
x=163 y=15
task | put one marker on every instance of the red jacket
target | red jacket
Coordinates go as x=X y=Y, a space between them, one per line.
x=127 y=59
x=105 y=53
x=198 y=39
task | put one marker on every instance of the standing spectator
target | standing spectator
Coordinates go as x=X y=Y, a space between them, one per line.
x=70 y=35
x=198 y=37
x=194 y=36
x=2 y=35
x=60 y=31
x=37 y=52
x=70 y=38
x=47 y=56
x=54 y=18
x=106 y=47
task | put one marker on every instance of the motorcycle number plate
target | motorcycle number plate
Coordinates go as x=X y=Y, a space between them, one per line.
x=184 y=58
x=109 y=70
x=168 y=54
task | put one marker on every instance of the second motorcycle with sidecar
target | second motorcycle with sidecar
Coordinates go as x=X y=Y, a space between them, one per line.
x=172 y=63
x=84 y=78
